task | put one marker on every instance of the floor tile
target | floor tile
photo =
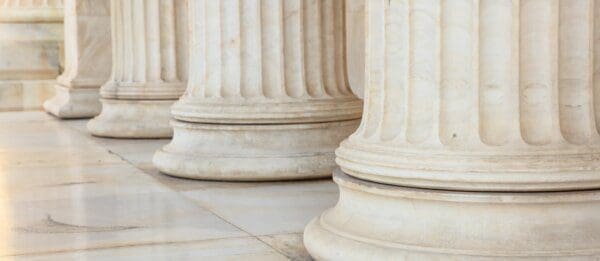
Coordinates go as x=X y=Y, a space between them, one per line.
x=66 y=195
x=56 y=157
x=290 y=245
x=25 y=116
x=79 y=125
x=267 y=208
x=81 y=181
x=78 y=223
x=247 y=249
x=137 y=152
x=44 y=134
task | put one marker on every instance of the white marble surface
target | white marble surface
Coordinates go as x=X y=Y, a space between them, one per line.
x=19 y=95
x=66 y=195
x=31 y=34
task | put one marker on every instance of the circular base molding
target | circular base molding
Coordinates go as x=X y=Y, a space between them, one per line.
x=252 y=152
x=142 y=90
x=515 y=168
x=267 y=111
x=132 y=119
x=373 y=221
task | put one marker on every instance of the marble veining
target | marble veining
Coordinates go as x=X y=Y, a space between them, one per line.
x=65 y=195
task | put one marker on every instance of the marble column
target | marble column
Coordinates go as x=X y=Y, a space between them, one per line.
x=31 y=36
x=268 y=97
x=87 y=60
x=480 y=137
x=149 y=69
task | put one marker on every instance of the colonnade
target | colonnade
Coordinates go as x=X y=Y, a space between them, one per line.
x=479 y=137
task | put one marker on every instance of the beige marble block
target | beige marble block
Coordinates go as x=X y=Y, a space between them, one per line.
x=31 y=36
x=149 y=69
x=87 y=60
x=481 y=119
x=268 y=95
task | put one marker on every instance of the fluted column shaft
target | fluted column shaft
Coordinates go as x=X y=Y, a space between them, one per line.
x=87 y=60
x=249 y=56
x=493 y=87
x=265 y=64
x=149 y=68
x=480 y=125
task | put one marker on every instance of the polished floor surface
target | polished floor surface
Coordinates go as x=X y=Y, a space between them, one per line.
x=65 y=195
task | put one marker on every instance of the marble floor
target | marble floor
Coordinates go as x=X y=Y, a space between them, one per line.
x=65 y=195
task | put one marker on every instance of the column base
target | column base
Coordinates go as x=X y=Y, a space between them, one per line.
x=249 y=152
x=381 y=222
x=69 y=103
x=133 y=119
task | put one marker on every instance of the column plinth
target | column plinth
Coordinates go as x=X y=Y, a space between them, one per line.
x=87 y=60
x=373 y=221
x=480 y=127
x=149 y=70
x=269 y=98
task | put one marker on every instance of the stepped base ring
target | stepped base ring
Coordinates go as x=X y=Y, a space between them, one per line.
x=134 y=119
x=252 y=152
x=381 y=222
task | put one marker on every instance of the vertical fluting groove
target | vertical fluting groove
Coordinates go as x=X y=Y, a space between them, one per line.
x=213 y=48
x=182 y=38
x=293 y=47
x=139 y=41
x=456 y=89
x=167 y=41
x=596 y=63
x=537 y=64
x=313 y=55
x=342 y=81
x=114 y=18
x=496 y=113
x=424 y=71
x=251 y=52
x=329 y=45
x=272 y=48
x=575 y=70
x=230 y=44
x=269 y=48
x=197 y=81
x=473 y=124
x=396 y=69
x=127 y=41
x=153 y=40
x=119 y=24
x=375 y=62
